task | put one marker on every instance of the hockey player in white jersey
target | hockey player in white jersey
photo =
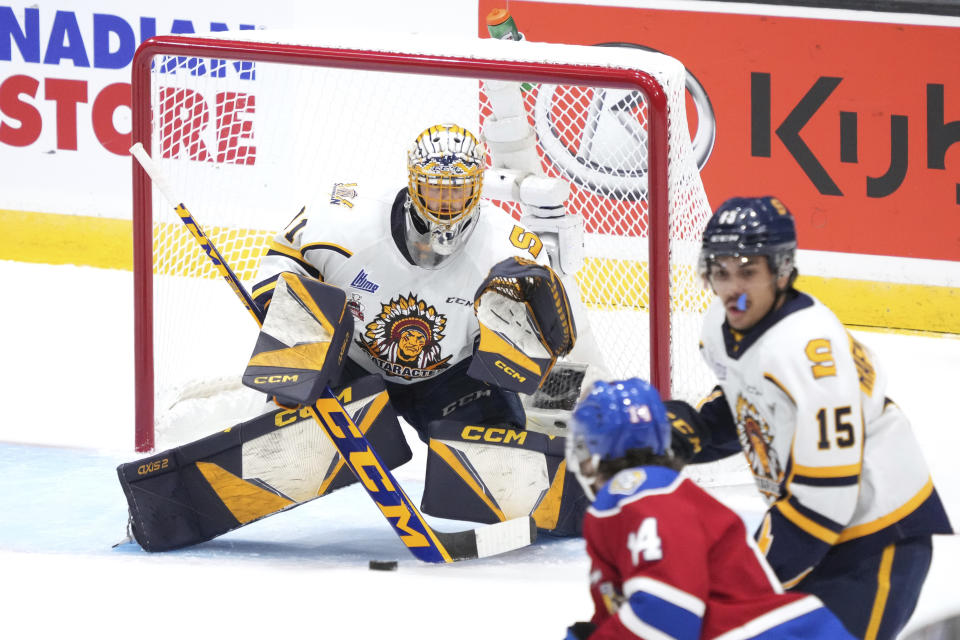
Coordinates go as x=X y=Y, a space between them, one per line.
x=852 y=506
x=427 y=303
x=456 y=308
x=415 y=264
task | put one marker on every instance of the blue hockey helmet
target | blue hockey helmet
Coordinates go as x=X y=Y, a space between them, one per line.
x=751 y=227
x=611 y=419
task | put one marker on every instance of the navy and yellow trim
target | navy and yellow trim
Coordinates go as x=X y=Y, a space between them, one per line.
x=883 y=591
x=792 y=582
x=796 y=539
x=779 y=385
x=459 y=465
x=280 y=250
x=245 y=501
x=894 y=516
x=325 y=246
x=836 y=476
x=547 y=511
x=737 y=342
x=716 y=393
x=719 y=435
x=407 y=521
x=264 y=288
x=809 y=521
x=262 y=292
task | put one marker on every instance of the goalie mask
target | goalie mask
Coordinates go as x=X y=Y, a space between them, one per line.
x=445 y=167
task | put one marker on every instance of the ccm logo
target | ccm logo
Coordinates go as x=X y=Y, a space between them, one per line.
x=150 y=467
x=493 y=434
x=275 y=379
x=507 y=369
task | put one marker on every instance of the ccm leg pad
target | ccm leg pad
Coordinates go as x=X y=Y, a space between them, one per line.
x=274 y=462
x=492 y=474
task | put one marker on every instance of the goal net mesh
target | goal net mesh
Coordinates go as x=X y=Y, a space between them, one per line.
x=246 y=140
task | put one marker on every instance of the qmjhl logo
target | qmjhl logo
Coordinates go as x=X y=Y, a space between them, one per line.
x=940 y=135
x=363 y=283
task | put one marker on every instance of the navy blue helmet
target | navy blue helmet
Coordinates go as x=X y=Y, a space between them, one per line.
x=613 y=418
x=751 y=227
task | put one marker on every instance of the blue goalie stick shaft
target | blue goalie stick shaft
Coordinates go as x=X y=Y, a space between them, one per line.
x=357 y=453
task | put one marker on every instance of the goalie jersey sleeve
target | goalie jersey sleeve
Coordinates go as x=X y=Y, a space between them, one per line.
x=667 y=560
x=832 y=456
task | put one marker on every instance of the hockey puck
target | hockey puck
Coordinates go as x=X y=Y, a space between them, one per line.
x=383 y=565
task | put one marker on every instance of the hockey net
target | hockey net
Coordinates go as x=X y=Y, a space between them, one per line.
x=248 y=131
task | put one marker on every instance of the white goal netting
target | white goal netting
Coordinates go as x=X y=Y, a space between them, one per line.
x=248 y=132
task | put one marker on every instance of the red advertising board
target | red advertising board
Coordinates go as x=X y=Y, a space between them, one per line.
x=854 y=125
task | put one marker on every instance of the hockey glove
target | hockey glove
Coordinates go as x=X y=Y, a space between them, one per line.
x=688 y=431
x=580 y=630
x=525 y=325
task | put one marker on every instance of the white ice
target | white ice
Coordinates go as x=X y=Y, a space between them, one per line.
x=66 y=423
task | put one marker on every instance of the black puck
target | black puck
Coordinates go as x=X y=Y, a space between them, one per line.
x=383 y=565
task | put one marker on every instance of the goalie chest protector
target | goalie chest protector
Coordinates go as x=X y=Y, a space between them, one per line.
x=356 y=249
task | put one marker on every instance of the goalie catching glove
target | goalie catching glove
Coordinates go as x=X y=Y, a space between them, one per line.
x=525 y=325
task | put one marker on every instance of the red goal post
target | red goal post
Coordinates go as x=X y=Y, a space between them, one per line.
x=214 y=138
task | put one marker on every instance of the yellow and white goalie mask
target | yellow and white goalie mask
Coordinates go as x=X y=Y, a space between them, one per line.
x=445 y=166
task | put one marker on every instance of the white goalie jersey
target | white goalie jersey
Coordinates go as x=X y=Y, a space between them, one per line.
x=834 y=457
x=410 y=323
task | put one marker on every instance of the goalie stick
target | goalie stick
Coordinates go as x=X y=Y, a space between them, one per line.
x=354 y=448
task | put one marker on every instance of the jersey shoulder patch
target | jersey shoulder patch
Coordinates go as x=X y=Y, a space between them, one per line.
x=365 y=223
x=633 y=484
x=499 y=236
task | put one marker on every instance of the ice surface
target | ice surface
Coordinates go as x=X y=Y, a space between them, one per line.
x=66 y=423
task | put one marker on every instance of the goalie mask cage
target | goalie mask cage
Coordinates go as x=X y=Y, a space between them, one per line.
x=249 y=127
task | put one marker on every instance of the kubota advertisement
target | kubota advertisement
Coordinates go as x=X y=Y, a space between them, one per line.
x=856 y=125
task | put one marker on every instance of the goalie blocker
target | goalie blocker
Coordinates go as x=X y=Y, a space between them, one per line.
x=525 y=325
x=303 y=341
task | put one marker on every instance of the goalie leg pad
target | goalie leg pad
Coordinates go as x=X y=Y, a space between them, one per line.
x=492 y=474
x=302 y=344
x=276 y=461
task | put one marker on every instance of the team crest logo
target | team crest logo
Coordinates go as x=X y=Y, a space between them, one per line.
x=627 y=482
x=756 y=440
x=342 y=192
x=404 y=338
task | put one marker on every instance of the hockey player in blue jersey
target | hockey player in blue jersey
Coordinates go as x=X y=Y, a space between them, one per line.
x=667 y=559
x=852 y=505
